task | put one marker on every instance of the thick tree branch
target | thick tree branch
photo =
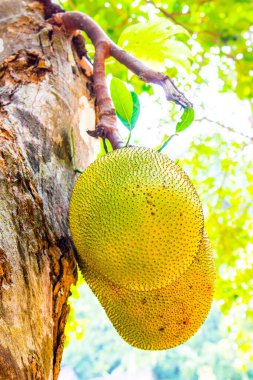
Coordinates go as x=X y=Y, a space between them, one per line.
x=107 y=127
x=73 y=21
x=104 y=47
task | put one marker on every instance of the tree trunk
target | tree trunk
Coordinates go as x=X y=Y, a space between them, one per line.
x=44 y=99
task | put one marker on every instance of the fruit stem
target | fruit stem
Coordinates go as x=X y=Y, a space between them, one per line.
x=129 y=137
x=166 y=142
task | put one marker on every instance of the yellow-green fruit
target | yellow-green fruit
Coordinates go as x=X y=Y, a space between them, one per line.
x=135 y=217
x=163 y=318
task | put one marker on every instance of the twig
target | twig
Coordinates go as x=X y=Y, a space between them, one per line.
x=166 y=142
x=225 y=127
x=170 y=15
x=150 y=76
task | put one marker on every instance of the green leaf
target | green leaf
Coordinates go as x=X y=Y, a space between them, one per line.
x=136 y=109
x=124 y=122
x=159 y=30
x=135 y=114
x=122 y=100
x=186 y=119
x=152 y=43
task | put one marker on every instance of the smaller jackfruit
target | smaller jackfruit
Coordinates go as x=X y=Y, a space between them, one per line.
x=135 y=217
x=162 y=318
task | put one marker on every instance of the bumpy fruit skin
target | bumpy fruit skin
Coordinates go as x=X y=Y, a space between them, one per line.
x=162 y=318
x=135 y=218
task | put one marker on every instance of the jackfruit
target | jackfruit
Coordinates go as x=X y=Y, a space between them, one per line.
x=136 y=219
x=161 y=318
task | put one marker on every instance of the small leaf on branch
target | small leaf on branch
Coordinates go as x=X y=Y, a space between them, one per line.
x=136 y=109
x=135 y=114
x=186 y=119
x=122 y=100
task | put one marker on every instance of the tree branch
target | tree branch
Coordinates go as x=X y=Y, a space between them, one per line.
x=150 y=76
x=225 y=127
x=73 y=21
x=104 y=47
x=107 y=127
x=167 y=14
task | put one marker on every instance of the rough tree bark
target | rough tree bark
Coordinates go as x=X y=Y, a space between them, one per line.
x=44 y=98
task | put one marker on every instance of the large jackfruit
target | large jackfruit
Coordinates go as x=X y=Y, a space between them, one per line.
x=162 y=318
x=136 y=217
x=137 y=223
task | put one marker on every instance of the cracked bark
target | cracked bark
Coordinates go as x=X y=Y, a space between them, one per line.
x=44 y=97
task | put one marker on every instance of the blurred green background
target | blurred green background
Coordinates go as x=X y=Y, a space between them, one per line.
x=211 y=61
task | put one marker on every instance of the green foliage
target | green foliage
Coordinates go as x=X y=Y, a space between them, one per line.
x=126 y=103
x=105 y=147
x=151 y=42
x=123 y=101
x=75 y=327
x=136 y=109
x=186 y=119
